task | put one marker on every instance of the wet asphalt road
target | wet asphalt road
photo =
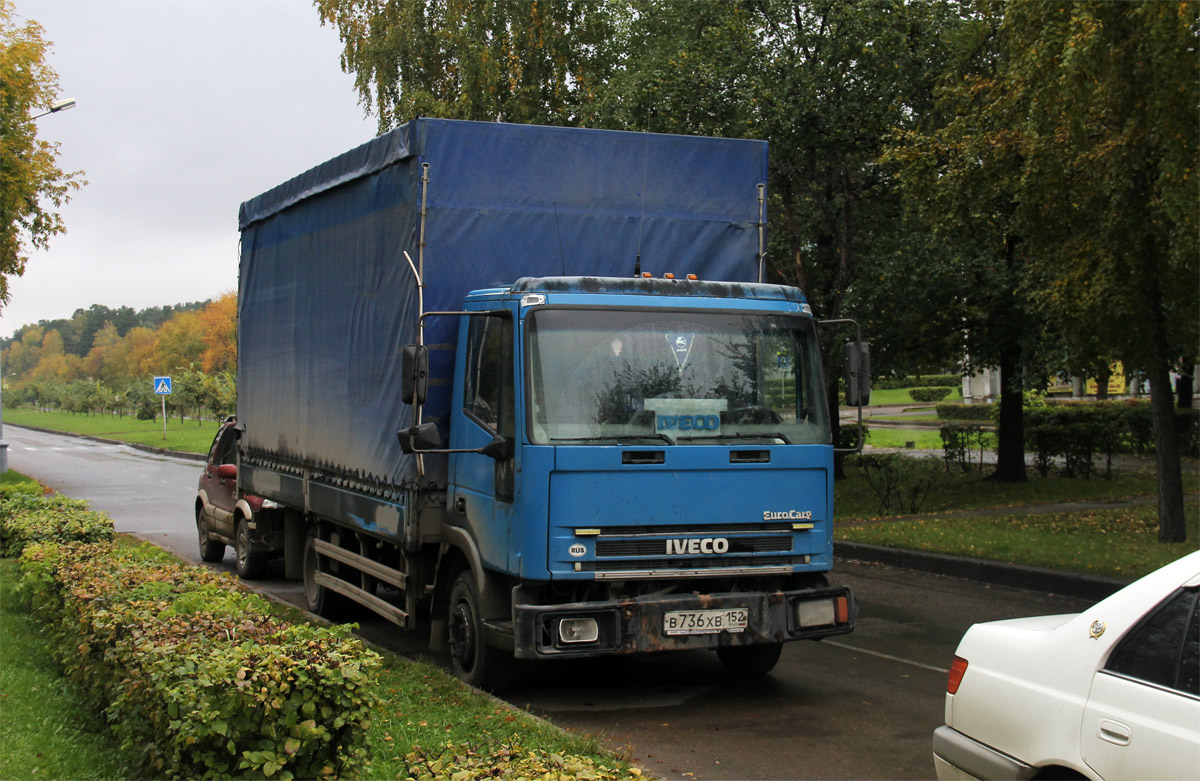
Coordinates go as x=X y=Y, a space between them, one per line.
x=858 y=706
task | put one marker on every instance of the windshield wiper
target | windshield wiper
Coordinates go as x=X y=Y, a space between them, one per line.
x=617 y=438
x=743 y=435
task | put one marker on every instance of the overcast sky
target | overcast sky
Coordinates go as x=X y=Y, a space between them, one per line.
x=185 y=109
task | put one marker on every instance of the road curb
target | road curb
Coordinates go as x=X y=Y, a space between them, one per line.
x=982 y=570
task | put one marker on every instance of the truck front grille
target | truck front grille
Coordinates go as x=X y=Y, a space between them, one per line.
x=692 y=550
x=657 y=547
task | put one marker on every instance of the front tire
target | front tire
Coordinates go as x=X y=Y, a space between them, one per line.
x=474 y=661
x=251 y=565
x=211 y=551
x=746 y=661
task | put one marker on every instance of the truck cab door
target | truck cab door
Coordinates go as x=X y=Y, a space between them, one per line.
x=483 y=486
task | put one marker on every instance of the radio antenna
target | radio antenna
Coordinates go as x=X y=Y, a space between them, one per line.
x=637 y=263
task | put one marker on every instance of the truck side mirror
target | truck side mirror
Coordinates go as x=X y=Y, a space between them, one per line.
x=417 y=438
x=858 y=374
x=414 y=373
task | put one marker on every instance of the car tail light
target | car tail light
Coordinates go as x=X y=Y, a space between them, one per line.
x=957 y=670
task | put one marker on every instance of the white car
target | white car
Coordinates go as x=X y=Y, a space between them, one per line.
x=1113 y=692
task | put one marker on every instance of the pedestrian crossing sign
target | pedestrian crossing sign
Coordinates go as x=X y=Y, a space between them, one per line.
x=162 y=386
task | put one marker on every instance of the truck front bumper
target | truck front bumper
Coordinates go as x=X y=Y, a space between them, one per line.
x=680 y=621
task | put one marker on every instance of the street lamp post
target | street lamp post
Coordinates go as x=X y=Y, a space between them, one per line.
x=56 y=107
x=61 y=105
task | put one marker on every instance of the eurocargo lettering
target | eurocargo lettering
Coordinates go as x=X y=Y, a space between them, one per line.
x=526 y=385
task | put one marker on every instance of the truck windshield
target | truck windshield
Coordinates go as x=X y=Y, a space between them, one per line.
x=647 y=377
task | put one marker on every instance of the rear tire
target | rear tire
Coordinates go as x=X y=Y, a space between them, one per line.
x=318 y=599
x=251 y=565
x=746 y=661
x=474 y=661
x=211 y=551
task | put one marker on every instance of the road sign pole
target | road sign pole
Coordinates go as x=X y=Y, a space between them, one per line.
x=162 y=387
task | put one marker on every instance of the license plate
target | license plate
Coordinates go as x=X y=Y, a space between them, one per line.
x=705 y=622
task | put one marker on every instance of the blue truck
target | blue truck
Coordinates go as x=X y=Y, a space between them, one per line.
x=524 y=383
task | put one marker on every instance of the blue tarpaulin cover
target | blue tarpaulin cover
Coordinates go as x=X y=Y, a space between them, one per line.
x=326 y=298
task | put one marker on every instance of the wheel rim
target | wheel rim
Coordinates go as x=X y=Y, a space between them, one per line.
x=201 y=529
x=243 y=546
x=462 y=636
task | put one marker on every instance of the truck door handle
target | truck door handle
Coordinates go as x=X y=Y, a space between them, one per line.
x=460 y=504
x=1115 y=732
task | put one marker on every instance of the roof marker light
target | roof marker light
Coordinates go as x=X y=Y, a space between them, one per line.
x=668 y=275
x=646 y=275
x=692 y=277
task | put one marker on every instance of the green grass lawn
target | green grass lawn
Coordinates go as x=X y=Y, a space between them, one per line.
x=906 y=418
x=894 y=396
x=1121 y=542
x=924 y=439
x=189 y=436
x=954 y=490
x=45 y=731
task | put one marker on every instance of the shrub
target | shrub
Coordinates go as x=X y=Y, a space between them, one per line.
x=900 y=483
x=193 y=673
x=960 y=442
x=929 y=394
x=848 y=434
x=28 y=518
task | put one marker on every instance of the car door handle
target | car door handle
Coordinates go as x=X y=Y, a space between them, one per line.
x=460 y=504
x=1115 y=732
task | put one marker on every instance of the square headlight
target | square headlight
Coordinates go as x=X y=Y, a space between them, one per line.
x=578 y=630
x=815 y=612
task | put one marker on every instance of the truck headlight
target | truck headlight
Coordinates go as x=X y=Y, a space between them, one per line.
x=815 y=612
x=578 y=630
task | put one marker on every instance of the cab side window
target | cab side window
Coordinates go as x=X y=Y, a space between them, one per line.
x=1164 y=648
x=488 y=390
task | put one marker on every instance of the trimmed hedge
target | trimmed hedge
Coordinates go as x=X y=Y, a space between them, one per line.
x=952 y=410
x=193 y=673
x=923 y=380
x=1079 y=432
x=1076 y=433
x=29 y=518
x=932 y=393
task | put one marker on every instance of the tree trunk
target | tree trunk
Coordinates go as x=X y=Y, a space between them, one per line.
x=1171 y=527
x=1010 y=448
x=1103 y=375
x=1185 y=387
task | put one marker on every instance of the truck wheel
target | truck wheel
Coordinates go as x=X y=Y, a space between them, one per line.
x=746 y=661
x=251 y=565
x=318 y=599
x=211 y=551
x=474 y=661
